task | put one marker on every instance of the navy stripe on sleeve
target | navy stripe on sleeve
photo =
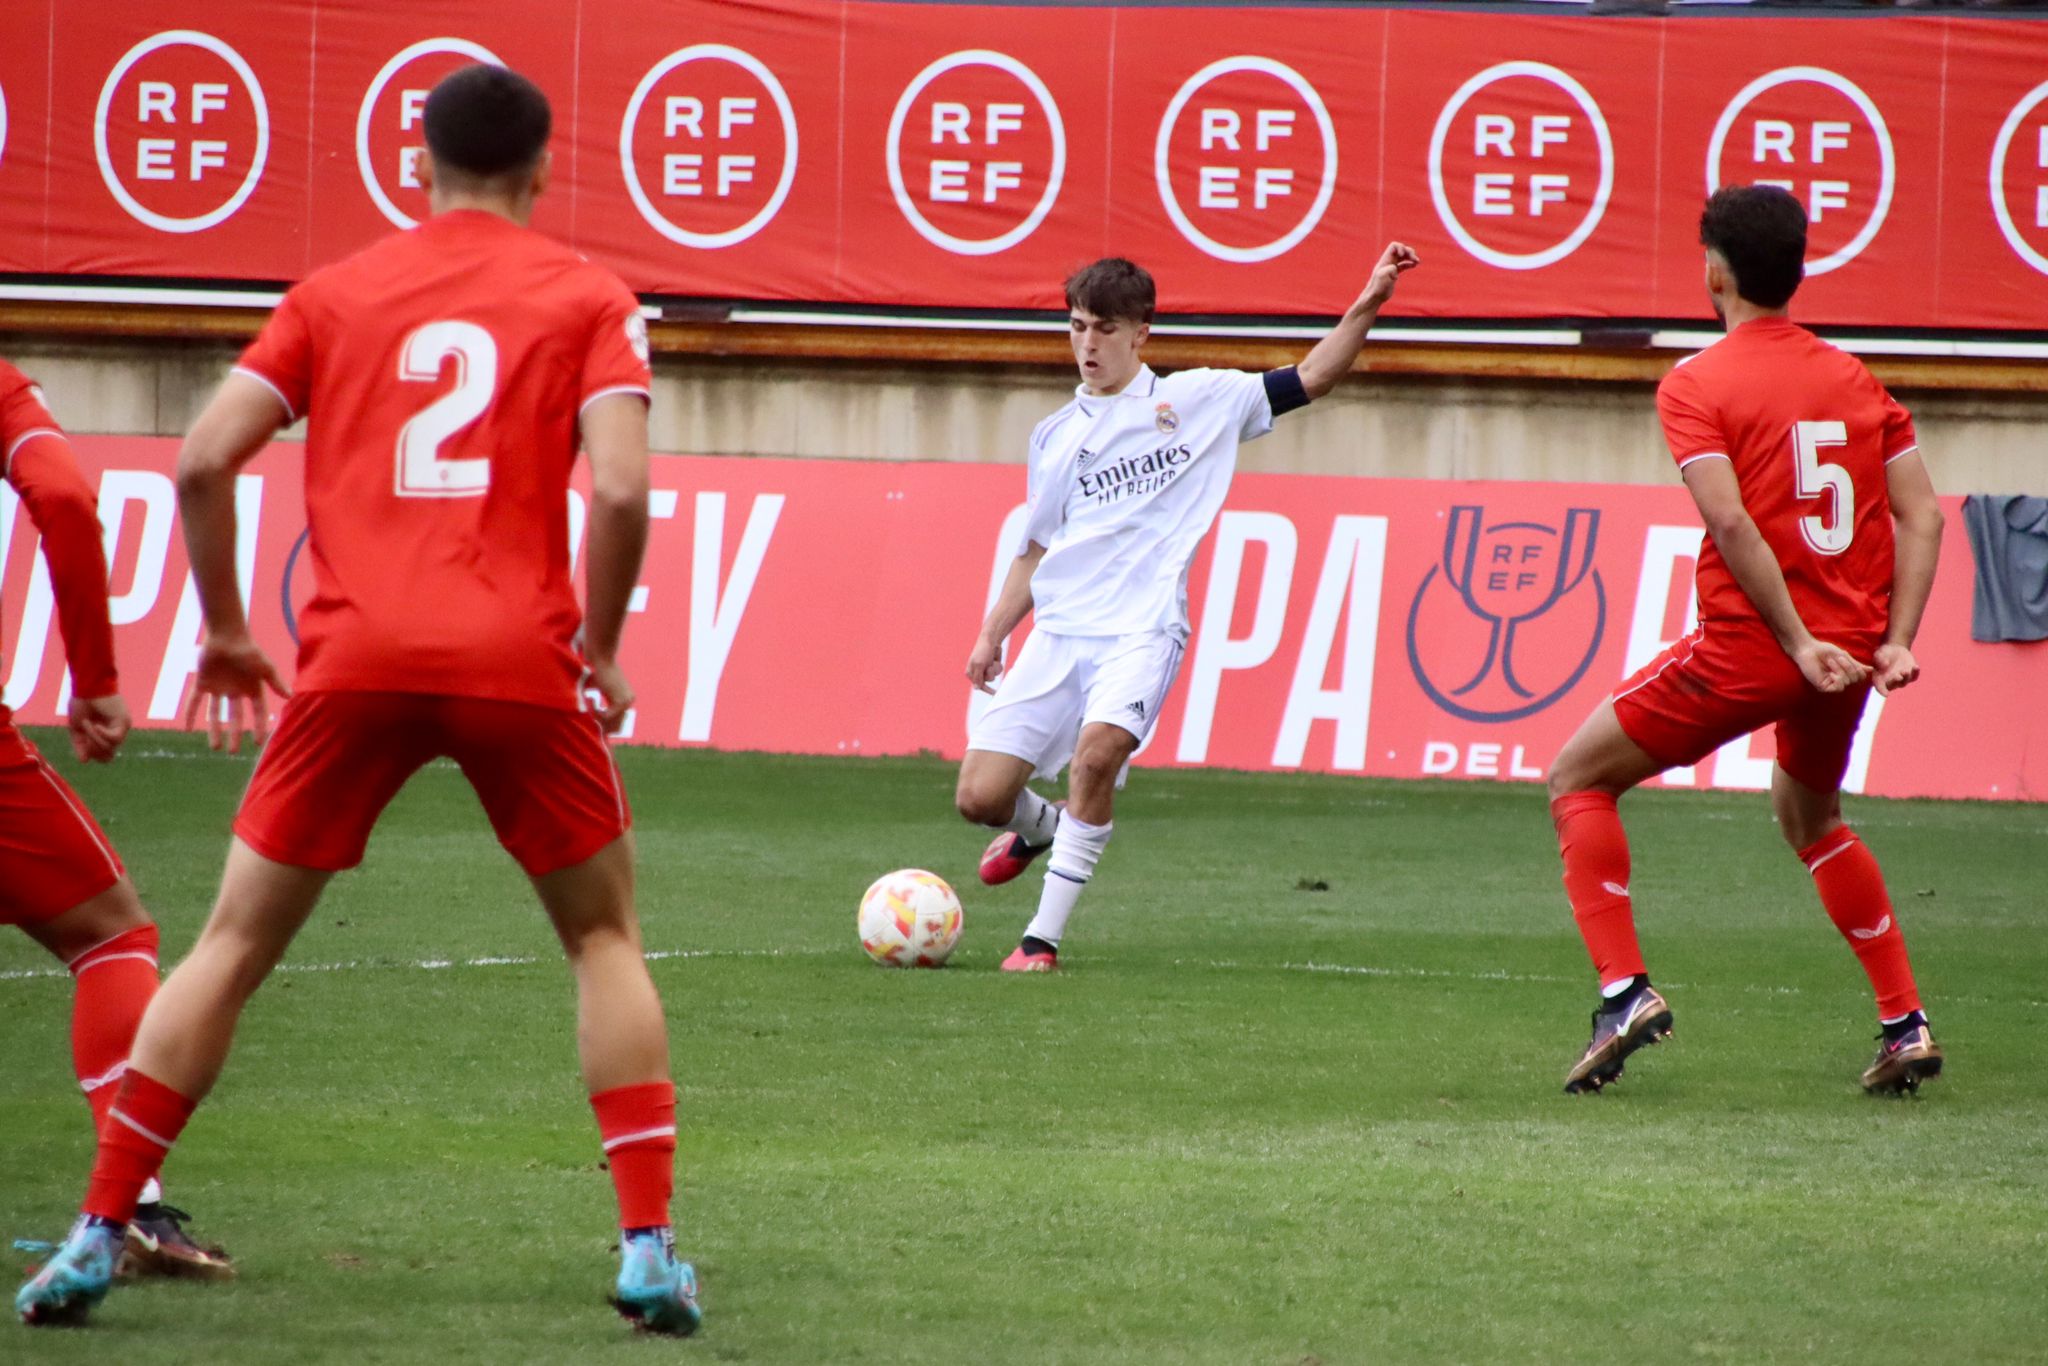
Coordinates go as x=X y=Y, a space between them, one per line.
x=1285 y=391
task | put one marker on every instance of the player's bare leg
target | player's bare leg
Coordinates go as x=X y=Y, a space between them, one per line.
x=1852 y=890
x=110 y=945
x=1596 y=766
x=622 y=1040
x=1083 y=831
x=186 y=1035
x=621 y=1035
x=994 y=791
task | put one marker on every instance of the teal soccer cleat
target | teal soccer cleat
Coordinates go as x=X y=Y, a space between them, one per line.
x=75 y=1278
x=655 y=1290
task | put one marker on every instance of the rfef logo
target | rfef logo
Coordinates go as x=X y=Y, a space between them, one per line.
x=1246 y=159
x=1510 y=617
x=390 y=136
x=976 y=152
x=2019 y=178
x=1815 y=133
x=1521 y=165
x=182 y=131
x=709 y=146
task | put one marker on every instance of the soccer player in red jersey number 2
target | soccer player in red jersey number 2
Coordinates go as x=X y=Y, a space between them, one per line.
x=60 y=880
x=1822 y=533
x=447 y=374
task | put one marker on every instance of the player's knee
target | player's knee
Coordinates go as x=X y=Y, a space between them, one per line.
x=1094 y=767
x=981 y=805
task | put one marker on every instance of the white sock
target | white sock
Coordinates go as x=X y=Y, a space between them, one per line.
x=1076 y=846
x=152 y=1193
x=1034 y=818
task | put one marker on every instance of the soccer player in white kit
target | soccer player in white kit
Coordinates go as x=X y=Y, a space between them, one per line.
x=1125 y=481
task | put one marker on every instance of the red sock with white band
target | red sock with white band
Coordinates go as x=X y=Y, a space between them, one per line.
x=115 y=981
x=142 y=1124
x=1852 y=889
x=639 y=1128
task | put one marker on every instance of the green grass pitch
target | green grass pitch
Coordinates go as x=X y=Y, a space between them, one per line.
x=1251 y=1122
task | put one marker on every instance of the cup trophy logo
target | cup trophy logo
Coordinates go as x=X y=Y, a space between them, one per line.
x=1509 y=618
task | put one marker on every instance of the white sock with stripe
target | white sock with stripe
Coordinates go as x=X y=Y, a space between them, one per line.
x=1076 y=846
x=1034 y=818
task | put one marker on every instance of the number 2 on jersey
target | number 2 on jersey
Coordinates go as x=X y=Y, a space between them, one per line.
x=423 y=472
x=1812 y=476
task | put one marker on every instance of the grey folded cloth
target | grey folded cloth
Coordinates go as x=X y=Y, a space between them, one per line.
x=2009 y=541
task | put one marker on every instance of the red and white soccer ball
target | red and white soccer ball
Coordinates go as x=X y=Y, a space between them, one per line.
x=910 y=919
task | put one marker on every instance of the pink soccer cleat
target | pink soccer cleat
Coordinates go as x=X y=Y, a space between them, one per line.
x=1006 y=856
x=1022 y=959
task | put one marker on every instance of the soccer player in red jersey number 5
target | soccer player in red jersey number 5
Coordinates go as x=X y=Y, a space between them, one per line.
x=1822 y=532
x=447 y=375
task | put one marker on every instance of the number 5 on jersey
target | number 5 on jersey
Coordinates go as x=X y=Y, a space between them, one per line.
x=423 y=472
x=1812 y=476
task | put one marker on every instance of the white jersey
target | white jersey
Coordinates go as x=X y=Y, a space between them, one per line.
x=1123 y=488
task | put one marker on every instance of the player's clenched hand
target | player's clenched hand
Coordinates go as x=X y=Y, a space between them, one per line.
x=609 y=681
x=1395 y=261
x=1893 y=667
x=98 y=726
x=228 y=686
x=984 y=664
x=1830 y=668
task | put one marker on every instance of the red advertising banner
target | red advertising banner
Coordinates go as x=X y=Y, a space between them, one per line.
x=894 y=154
x=1399 y=628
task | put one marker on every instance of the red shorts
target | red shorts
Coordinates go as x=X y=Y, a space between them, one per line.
x=53 y=855
x=1708 y=689
x=545 y=776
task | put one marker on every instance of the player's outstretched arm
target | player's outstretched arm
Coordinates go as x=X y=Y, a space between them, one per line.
x=615 y=438
x=986 y=659
x=232 y=672
x=1336 y=353
x=1916 y=521
x=1713 y=486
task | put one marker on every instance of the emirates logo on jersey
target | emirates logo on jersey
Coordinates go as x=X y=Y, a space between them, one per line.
x=1166 y=419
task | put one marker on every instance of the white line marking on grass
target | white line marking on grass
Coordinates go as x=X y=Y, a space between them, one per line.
x=1501 y=975
x=438 y=964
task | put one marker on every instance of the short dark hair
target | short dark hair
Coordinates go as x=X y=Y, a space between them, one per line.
x=1760 y=231
x=1113 y=288
x=486 y=121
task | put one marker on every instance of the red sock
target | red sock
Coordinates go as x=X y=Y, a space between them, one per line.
x=114 y=983
x=1595 y=850
x=639 y=1128
x=1852 y=889
x=144 y=1121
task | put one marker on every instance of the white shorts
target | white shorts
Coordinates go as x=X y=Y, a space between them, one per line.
x=1058 y=684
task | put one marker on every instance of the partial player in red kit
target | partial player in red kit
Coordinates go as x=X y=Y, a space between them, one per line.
x=447 y=375
x=1823 y=529
x=60 y=879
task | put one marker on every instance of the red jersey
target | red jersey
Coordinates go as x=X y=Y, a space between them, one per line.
x=442 y=372
x=40 y=467
x=1809 y=432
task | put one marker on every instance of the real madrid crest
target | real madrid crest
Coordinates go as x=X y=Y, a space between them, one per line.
x=1166 y=420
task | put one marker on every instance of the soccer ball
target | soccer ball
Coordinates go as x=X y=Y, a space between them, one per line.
x=909 y=919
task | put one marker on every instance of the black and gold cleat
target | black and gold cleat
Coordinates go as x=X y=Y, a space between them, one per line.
x=1903 y=1063
x=157 y=1245
x=1641 y=1020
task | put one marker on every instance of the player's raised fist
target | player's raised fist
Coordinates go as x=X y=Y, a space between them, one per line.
x=1395 y=261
